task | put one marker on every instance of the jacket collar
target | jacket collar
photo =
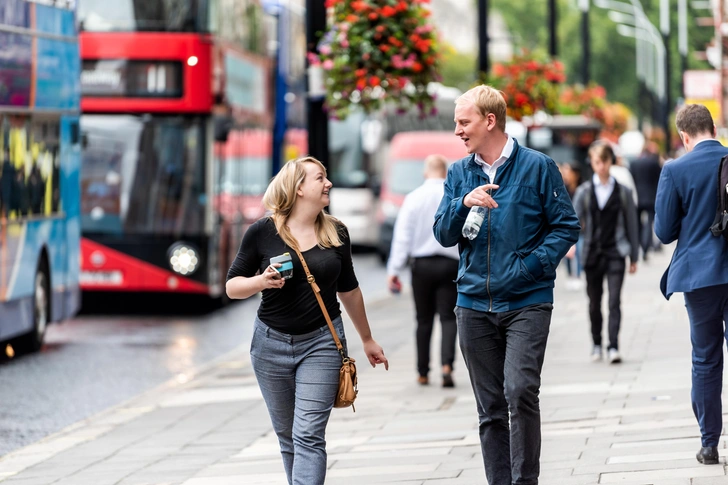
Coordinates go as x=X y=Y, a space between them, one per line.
x=706 y=145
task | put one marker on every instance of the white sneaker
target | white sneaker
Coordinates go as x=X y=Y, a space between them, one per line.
x=596 y=354
x=614 y=357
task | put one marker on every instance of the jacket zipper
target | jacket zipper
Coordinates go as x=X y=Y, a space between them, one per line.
x=487 y=280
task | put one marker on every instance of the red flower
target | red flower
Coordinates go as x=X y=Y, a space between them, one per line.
x=384 y=48
x=394 y=41
x=374 y=81
x=388 y=11
x=359 y=6
x=417 y=67
x=373 y=16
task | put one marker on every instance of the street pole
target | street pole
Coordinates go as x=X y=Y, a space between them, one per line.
x=317 y=121
x=553 y=47
x=665 y=31
x=682 y=41
x=483 y=61
x=585 y=46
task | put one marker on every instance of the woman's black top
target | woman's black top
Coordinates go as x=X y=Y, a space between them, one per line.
x=294 y=309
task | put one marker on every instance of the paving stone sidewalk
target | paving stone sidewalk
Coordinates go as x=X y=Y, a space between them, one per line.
x=629 y=423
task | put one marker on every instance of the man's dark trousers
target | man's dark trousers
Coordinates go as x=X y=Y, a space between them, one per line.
x=708 y=312
x=434 y=291
x=613 y=269
x=645 y=229
x=504 y=355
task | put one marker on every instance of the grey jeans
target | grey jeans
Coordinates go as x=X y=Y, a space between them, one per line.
x=504 y=355
x=298 y=376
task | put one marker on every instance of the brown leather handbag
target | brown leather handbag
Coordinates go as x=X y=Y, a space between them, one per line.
x=346 y=394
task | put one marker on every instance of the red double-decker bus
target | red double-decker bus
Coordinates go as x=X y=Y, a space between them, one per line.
x=177 y=127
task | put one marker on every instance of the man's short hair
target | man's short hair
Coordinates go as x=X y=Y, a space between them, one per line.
x=436 y=164
x=603 y=150
x=694 y=119
x=486 y=99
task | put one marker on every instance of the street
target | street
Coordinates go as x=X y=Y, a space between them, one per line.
x=629 y=423
x=96 y=361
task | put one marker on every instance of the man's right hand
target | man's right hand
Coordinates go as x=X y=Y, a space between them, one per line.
x=480 y=196
x=394 y=284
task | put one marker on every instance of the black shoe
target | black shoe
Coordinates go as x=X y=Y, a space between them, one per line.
x=447 y=380
x=708 y=455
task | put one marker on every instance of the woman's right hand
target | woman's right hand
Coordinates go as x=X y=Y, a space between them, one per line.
x=272 y=278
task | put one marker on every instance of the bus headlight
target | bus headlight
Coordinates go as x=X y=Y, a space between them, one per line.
x=183 y=259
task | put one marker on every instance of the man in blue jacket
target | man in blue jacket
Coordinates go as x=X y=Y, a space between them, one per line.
x=505 y=277
x=685 y=206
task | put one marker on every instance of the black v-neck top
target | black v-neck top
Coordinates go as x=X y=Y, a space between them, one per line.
x=294 y=309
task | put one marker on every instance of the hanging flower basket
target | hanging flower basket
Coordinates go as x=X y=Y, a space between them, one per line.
x=529 y=84
x=376 y=52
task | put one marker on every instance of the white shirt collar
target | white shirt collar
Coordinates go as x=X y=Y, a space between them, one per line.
x=598 y=182
x=505 y=154
x=701 y=141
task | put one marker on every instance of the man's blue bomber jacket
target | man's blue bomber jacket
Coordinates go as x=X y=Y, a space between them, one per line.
x=512 y=262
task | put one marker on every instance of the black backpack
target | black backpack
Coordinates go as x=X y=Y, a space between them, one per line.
x=720 y=225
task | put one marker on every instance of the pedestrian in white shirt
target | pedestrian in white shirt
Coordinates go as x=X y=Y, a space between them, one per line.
x=434 y=269
x=608 y=219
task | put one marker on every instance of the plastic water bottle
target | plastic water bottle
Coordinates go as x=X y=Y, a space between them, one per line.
x=475 y=218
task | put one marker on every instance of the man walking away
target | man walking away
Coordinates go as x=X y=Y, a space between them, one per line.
x=505 y=277
x=685 y=207
x=434 y=269
x=646 y=173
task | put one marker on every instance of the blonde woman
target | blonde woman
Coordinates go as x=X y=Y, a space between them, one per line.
x=292 y=351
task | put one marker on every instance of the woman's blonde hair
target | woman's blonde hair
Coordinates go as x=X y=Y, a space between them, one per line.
x=281 y=195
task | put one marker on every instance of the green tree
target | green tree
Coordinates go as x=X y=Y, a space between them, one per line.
x=458 y=69
x=613 y=63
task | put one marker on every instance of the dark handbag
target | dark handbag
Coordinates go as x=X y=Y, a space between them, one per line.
x=346 y=394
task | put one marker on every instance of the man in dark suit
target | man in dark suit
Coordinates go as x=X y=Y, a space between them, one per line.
x=646 y=174
x=685 y=207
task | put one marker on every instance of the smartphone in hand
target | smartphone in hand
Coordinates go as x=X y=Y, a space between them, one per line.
x=286 y=268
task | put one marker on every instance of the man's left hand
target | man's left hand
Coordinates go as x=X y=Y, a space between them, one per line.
x=632 y=268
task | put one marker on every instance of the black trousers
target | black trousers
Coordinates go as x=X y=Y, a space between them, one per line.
x=435 y=292
x=645 y=230
x=504 y=354
x=613 y=270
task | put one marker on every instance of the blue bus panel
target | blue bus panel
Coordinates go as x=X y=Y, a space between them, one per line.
x=39 y=168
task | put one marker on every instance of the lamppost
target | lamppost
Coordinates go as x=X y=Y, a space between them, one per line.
x=317 y=120
x=483 y=62
x=651 y=63
x=585 y=46
x=665 y=30
x=553 y=37
x=682 y=40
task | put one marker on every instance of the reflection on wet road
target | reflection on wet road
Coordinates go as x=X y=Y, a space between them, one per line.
x=99 y=360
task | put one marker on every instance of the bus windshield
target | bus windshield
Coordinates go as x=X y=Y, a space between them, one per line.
x=142 y=174
x=142 y=15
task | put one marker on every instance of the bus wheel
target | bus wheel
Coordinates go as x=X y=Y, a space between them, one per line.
x=41 y=310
